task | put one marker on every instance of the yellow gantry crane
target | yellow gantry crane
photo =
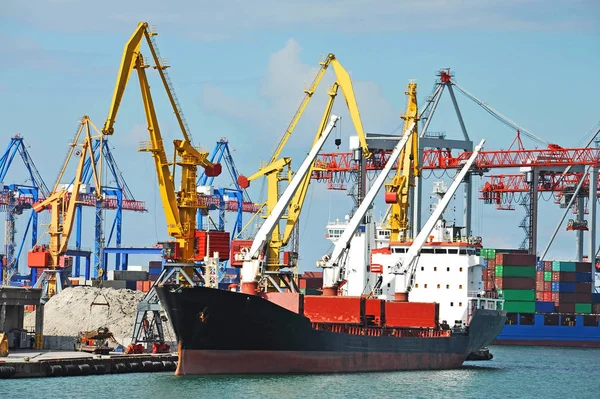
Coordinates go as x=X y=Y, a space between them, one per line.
x=397 y=193
x=181 y=205
x=62 y=204
x=279 y=169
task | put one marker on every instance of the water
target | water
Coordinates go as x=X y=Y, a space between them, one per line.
x=515 y=372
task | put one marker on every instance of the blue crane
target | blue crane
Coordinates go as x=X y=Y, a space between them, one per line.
x=16 y=198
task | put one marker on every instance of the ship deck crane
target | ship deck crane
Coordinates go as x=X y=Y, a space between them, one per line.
x=333 y=265
x=62 y=205
x=254 y=259
x=405 y=269
x=274 y=169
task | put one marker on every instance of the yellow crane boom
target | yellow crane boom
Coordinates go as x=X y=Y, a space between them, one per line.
x=180 y=206
x=398 y=190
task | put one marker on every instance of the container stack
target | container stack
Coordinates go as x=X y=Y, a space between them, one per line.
x=489 y=270
x=568 y=285
x=543 y=288
x=515 y=278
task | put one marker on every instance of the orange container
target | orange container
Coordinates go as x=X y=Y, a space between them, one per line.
x=334 y=309
x=411 y=314
x=38 y=259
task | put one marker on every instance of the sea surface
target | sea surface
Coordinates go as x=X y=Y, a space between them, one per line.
x=515 y=372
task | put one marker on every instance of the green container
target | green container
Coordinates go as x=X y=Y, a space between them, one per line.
x=519 y=306
x=561 y=266
x=515 y=271
x=547 y=276
x=583 y=308
x=518 y=295
x=483 y=252
x=491 y=253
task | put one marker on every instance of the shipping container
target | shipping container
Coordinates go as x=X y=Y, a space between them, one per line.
x=596 y=298
x=539 y=275
x=38 y=259
x=375 y=312
x=411 y=314
x=583 y=297
x=210 y=242
x=555 y=298
x=517 y=295
x=583 y=267
x=334 y=309
x=583 y=277
x=548 y=265
x=547 y=296
x=236 y=249
x=515 y=259
x=561 y=266
x=566 y=308
x=547 y=286
x=491 y=263
x=583 y=287
x=519 y=306
x=583 y=308
x=517 y=283
x=544 y=307
x=567 y=297
x=539 y=295
x=547 y=276
x=539 y=286
x=515 y=271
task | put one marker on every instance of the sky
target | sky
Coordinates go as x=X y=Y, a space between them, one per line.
x=239 y=69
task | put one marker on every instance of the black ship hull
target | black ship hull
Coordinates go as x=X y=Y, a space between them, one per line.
x=223 y=332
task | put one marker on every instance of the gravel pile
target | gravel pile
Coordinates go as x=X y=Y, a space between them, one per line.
x=88 y=308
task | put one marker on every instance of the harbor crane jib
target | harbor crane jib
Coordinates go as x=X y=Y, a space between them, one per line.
x=62 y=203
x=253 y=267
x=275 y=169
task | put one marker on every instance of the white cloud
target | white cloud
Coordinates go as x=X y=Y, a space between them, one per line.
x=210 y=20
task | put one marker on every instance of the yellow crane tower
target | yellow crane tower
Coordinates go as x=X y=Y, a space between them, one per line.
x=181 y=205
x=279 y=169
x=62 y=204
x=397 y=193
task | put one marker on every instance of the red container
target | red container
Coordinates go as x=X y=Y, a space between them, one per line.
x=539 y=296
x=334 y=309
x=555 y=297
x=288 y=300
x=567 y=297
x=491 y=264
x=547 y=265
x=375 y=312
x=209 y=242
x=411 y=314
x=491 y=273
x=581 y=297
x=555 y=276
x=236 y=248
x=139 y=286
x=566 y=308
x=583 y=287
x=547 y=285
x=489 y=285
x=583 y=267
x=515 y=259
x=515 y=283
x=547 y=297
x=596 y=308
x=391 y=197
x=539 y=286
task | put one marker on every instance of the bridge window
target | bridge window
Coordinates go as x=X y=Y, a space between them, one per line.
x=460 y=270
x=590 y=321
x=440 y=251
x=447 y=269
x=460 y=304
x=512 y=318
x=435 y=268
x=422 y=268
x=425 y=285
x=460 y=287
x=427 y=251
x=551 y=320
x=416 y=285
x=453 y=251
x=447 y=286
x=438 y=286
x=462 y=252
x=451 y=303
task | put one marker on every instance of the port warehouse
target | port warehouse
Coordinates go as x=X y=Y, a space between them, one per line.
x=515 y=280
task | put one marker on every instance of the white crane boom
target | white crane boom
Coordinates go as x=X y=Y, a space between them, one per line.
x=342 y=245
x=250 y=267
x=407 y=265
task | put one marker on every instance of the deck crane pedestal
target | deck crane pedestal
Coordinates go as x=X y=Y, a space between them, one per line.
x=180 y=206
x=254 y=260
x=275 y=169
x=62 y=204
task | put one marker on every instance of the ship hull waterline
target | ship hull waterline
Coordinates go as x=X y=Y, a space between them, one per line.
x=223 y=332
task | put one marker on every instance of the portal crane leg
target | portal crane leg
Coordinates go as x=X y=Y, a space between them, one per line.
x=592 y=217
x=579 y=233
x=78 y=224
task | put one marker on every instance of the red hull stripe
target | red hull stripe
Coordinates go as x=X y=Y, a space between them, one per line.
x=526 y=342
x=201 y=362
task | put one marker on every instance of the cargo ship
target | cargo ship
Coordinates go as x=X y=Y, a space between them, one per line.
x=548 y=303
x=225 y=332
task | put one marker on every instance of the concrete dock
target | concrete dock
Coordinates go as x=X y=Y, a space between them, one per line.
x=33 y=364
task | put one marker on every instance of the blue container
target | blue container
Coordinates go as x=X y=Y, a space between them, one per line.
x=485 y=263
x=583 y=277
x=130 y=284
x=544 y=307
x=566 y=287
x=595 y=298
x=555 y=286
